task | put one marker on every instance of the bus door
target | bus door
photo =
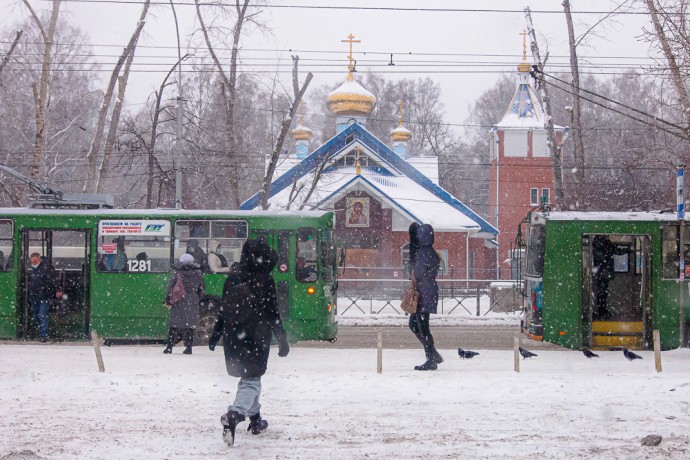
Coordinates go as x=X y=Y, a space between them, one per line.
x=65 y=253
x=8 y=281
x=616 y=302
x=279 y=240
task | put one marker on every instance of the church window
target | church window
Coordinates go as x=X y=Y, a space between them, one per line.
x=534 y=196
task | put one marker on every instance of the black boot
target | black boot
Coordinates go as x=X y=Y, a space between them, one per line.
x=230 y=422
x=257 y=424
x=171 y=339
x=430 y=365
x=436 y=357
x=188 y=335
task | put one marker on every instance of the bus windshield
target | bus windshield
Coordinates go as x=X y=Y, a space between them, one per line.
x=535 y=250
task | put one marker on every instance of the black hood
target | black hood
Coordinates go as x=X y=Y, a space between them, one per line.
x=425 y=235
x=258 y=257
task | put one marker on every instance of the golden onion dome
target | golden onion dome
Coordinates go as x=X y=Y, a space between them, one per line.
x=524 y=67
x=302 y=133
x=401 y=134
x=351 y=98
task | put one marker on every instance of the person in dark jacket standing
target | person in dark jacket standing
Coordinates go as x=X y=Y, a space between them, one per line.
x=248 y=322
x=42 y=292
x=184 y=314
x=425 y=271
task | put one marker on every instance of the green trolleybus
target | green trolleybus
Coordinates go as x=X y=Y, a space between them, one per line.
x=113 y=266
x=605 y=279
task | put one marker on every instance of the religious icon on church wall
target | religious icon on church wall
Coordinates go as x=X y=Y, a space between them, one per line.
x=357 y=212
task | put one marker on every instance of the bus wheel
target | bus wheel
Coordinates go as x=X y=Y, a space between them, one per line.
x=333 y=340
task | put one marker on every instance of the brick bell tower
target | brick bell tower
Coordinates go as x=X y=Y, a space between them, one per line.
x=520 y=171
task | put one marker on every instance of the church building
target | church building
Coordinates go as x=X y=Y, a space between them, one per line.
x=376 y=190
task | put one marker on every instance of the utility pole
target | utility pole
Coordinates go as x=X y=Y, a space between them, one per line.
x=177 y=156
x=554 y=146
x=680 y=211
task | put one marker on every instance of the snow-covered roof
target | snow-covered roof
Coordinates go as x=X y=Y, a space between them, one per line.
x=427 y=166
x=398 y=184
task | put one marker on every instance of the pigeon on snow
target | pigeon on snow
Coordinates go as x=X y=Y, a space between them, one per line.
x=466 y=354
x=526 y=353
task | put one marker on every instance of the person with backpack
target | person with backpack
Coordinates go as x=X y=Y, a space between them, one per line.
x=249 y=319
x=185 y=290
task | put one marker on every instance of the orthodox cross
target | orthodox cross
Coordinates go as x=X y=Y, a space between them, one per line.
x=524 y=44
x=351 y=40
x=400 y=105
x=358 y=167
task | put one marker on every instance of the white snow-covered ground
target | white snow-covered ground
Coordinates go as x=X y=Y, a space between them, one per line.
x=327 y=403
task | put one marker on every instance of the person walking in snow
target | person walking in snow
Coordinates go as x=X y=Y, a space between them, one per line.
x=425 y=271
x=184 y=314
x=249 y=319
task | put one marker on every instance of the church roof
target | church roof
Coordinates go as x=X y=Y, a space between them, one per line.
x=525 y=110
x=398 y=184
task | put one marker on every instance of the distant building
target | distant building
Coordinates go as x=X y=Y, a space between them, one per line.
x=377 y=191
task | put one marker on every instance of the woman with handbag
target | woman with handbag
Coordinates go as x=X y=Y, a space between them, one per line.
x=184 y=304
x=424 y=271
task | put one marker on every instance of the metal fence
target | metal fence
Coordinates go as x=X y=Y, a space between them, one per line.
x=466 y=297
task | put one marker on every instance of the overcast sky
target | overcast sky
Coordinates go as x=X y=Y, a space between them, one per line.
x=449 y=41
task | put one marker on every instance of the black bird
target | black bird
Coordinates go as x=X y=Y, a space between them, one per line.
x=589 y=354
x=630 y=355
x=466 y=354
x=526 y=353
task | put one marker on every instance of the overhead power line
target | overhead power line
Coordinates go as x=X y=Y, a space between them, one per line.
x=369 y=8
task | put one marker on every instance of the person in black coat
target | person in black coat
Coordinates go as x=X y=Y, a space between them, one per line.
x=425 y=271
x=43 y=290
x=184 y=314
x=249 y=319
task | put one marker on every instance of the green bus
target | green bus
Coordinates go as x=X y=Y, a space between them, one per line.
x=113 y=266
x=605 y=279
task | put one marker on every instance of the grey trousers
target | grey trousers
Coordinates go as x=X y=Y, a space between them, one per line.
x=247 y=397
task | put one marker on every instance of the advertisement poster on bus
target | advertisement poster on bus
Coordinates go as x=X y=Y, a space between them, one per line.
x=117 y=227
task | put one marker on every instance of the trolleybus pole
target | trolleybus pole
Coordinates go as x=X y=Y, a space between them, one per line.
x=680 y=207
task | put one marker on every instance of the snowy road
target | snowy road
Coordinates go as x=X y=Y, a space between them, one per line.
x=54 y=404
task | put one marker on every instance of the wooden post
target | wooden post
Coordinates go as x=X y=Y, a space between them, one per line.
x=657 y=350
x=516 y=353
x=379 y=352
x=97 y=349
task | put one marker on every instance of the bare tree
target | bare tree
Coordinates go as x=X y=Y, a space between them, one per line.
x=11 y=50
x=671 y=33
x=229 y=89
x=284 y=129
x=41 y=93
x=94 y=150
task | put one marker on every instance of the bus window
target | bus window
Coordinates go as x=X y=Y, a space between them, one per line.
x=284 y=251
x=6 y=245
x=307 y=265
x=669 y=252
x=135 y=246
x=327 y=255
x=200 y=238
x=535 y=250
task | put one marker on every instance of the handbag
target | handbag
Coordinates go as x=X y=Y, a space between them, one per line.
x=410 y=298
x=177 y=293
